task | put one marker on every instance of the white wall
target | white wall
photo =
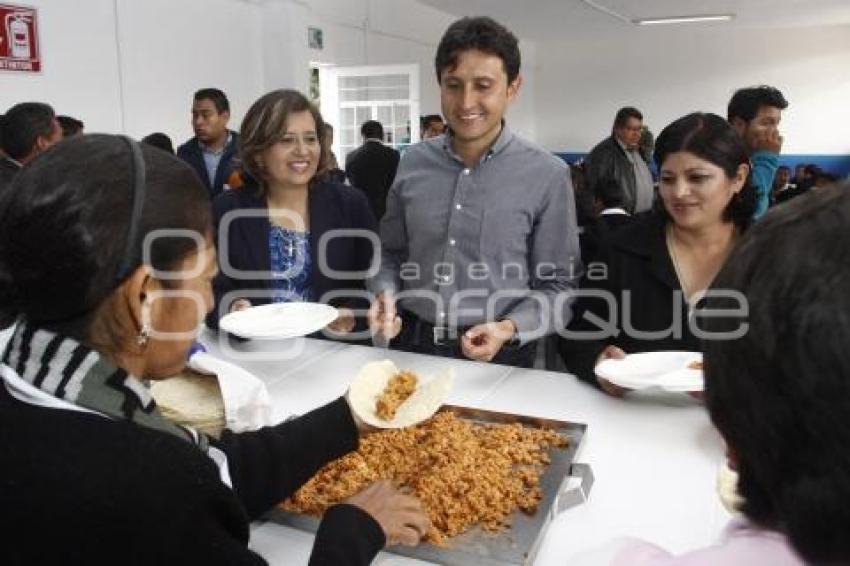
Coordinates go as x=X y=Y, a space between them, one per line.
x=79 y=70
x=669 y=72
x=133 y=65
x=170 y=49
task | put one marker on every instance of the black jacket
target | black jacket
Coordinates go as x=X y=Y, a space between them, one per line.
x=609 y=161
x=8 y=170
x=372 y=168
x=81 y=489
x=638 y=265
x=331 y=206
x=190 y=152
x=616 y=221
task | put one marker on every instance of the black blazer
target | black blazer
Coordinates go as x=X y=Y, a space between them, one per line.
x=190 y=152
x=8 y=171
x=616 y=221
x=637 y=261
x=331 y=206
x=372 y=168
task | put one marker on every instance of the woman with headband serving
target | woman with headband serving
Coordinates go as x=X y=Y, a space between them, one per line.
x=104 y=298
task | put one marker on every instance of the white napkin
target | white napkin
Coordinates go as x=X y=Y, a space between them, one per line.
x=247 y=405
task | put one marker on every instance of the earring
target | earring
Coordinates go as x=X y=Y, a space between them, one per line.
x=144 y=335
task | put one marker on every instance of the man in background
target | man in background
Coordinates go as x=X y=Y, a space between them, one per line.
x=755 y=113
x=432 y=126
x=70 y=126
x=213 y=148
x=334 y=173
x=782 y=188
x=28 y=129
x=372 y=166
x=618 y=157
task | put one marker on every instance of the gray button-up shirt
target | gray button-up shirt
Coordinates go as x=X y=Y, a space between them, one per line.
x=463 y=245
x=644 y=186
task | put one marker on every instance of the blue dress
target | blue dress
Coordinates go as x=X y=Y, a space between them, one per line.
x=291 y=263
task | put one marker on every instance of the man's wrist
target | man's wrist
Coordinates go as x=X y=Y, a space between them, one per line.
x=508 y=332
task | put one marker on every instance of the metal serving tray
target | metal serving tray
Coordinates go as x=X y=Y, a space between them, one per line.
x=519 y=544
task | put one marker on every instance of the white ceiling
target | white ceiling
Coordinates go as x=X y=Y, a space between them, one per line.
x=540 y=20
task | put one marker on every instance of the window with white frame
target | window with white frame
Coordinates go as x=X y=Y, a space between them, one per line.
x=389 y=94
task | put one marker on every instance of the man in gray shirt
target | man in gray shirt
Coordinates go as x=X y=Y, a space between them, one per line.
x=480 y=246
x=618 y=157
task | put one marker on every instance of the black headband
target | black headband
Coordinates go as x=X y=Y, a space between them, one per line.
x=138 y=175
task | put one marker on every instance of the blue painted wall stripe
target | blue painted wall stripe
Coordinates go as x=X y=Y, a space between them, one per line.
x=836 y=164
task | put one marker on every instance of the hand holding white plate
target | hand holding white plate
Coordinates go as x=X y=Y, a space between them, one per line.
x=426 y=399
x=667 y=370
x=279 y=320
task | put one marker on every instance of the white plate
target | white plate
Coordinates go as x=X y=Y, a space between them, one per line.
x=667 y=370
x=429 y=395
x=279 y=320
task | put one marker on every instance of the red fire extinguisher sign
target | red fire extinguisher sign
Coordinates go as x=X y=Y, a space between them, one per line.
x=19 y=39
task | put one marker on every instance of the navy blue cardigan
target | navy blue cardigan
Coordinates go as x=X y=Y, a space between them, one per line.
x=191 y=153
x=330 y=206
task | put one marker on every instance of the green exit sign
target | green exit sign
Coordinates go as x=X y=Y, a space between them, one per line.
x=315 y=39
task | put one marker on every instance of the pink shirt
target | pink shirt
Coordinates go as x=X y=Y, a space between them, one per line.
x=742 y=544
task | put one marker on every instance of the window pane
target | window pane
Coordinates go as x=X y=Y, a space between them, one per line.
x=348 y=136
x=364 y=113
x=385 y=115
x=402 y=113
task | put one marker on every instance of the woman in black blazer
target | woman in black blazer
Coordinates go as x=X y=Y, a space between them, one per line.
x=655 y=271
x=271 y=232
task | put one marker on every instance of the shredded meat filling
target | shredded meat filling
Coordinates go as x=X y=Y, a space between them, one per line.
x=399 y=388
x=465 y=473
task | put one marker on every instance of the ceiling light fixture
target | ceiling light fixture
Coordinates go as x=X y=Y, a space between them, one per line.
x=684 y=19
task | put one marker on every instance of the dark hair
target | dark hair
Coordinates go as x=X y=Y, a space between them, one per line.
x=646 y=144
x=429 y=119
x=159 y=140
x=745 y=103
x=710 y=137
x=623 y=115
x=70 y=126
x=609 y=192
x=372 y=129
x=825 y=177
x=65 y=226
x=23 y=124
x=780 y=394
x=481 y=33
x=578 y=176
x=265 y=123
x=217 y=97
x=785 y=167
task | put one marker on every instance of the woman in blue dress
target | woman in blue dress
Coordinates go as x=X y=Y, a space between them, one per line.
x=289 y=234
